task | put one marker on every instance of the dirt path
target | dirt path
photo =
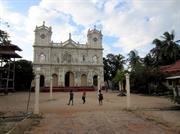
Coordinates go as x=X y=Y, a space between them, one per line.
x=147 y=116
x=101 y=122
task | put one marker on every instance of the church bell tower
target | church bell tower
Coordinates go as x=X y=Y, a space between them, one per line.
x=42 y=35
x=94 y=38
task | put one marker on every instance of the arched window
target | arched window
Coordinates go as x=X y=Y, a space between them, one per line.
x=42 y=57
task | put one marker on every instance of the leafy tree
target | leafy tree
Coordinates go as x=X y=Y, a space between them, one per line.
x=23 y=74
x=111 y=64
x=134 y=59
x=106 y=70
x=145 y=78
x=119 y=78
x=4 y=38
x=166 y=51
x=148 y=60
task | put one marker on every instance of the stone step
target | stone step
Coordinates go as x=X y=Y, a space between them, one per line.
x=67 y=89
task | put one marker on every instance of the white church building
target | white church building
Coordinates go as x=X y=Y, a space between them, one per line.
x=68 y=63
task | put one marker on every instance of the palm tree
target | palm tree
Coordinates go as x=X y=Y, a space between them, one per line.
x=171 y=49
x=148 y=60
x=119 y=78
x=111 y=64
x=166 y=51
x=133 y=59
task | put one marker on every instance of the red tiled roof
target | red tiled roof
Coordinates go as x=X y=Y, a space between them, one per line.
x=173 y=68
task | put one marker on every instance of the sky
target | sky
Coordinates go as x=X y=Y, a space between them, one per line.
x=125 y=24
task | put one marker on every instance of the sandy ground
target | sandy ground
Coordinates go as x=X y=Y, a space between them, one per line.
x=150 y=115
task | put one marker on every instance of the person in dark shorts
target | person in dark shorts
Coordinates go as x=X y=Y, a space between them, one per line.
x=71 y=97
x=100 y=97
x=84 y=97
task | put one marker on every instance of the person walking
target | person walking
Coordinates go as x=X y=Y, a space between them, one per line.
x=100 y=97
x=71 y=97
x=84 y=97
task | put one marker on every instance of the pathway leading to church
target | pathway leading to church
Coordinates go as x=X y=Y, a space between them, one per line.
x=150 y=115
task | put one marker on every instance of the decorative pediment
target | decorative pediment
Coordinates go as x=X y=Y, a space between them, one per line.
x=69 y=44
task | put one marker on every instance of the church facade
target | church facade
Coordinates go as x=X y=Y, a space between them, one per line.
x=68 y=63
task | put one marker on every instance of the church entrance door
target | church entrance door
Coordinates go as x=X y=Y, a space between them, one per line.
x=83 y=80
x=41 y=80
x=69 y=79
x=95 y=80
x=55 y=80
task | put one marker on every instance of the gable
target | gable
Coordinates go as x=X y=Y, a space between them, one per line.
x=69 y=44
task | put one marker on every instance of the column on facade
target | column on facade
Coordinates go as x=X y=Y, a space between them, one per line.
x=89 y=78
x=59 y=77
x=75 y=79
x=79 y=77
x=63 y=77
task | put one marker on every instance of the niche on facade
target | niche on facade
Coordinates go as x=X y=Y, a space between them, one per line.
x=95 y=59
x=67 y=58
x=83 y=58
x=42 y=57
x=57 y=59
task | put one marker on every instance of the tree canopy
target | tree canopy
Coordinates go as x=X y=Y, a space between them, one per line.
x=24 y=74
x=166 y=51
x=4 y=38
x=112 y=63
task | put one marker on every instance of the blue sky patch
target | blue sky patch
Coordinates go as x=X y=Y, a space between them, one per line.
x=110 y=39
x=21 y=6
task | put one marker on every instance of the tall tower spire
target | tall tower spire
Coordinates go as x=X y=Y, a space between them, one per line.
x=69 y=36
x=43 y=23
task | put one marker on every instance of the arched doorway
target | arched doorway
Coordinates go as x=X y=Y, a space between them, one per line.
x=95 y=80
x=69 y=79
x=83 y=80
x=55 y=80
x=42 y=81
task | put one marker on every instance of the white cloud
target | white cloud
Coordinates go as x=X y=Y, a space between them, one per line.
x=134 y=23
x=144 y=21
x=83 y=12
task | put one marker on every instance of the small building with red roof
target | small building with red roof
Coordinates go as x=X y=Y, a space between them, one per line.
x=173 y=74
